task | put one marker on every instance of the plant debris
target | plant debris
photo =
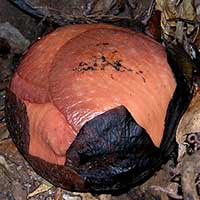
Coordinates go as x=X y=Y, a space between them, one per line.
x=193 y=142
x=190 y=174
x=12 y=39
x=40 y=189
x=89 y=11
x=180 y=22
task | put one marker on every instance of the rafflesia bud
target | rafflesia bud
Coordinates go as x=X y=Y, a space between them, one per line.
x=95 y=107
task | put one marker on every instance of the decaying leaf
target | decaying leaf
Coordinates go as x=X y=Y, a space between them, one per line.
x=190 y=123
x=4 y=164
x=189 y=173
x=179 y=22
x=176 y=13
x=42 y=188
x=89 y=11
x=3 y=131
x=84 y=196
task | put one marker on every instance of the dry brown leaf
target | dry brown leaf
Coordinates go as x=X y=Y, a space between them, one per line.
x=190 y=123
x=176 y=18
x=42 y=188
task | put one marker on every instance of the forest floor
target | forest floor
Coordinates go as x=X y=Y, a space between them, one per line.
x=18 y=30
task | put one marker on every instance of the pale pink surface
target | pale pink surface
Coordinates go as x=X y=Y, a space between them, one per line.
x=145 y=91
x=34 y=67
x=50 y=134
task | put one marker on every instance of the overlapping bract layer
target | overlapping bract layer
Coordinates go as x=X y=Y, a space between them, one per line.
x=79 y=72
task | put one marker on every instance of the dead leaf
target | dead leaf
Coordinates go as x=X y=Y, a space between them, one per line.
x=189 y=123
x=42 y=188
